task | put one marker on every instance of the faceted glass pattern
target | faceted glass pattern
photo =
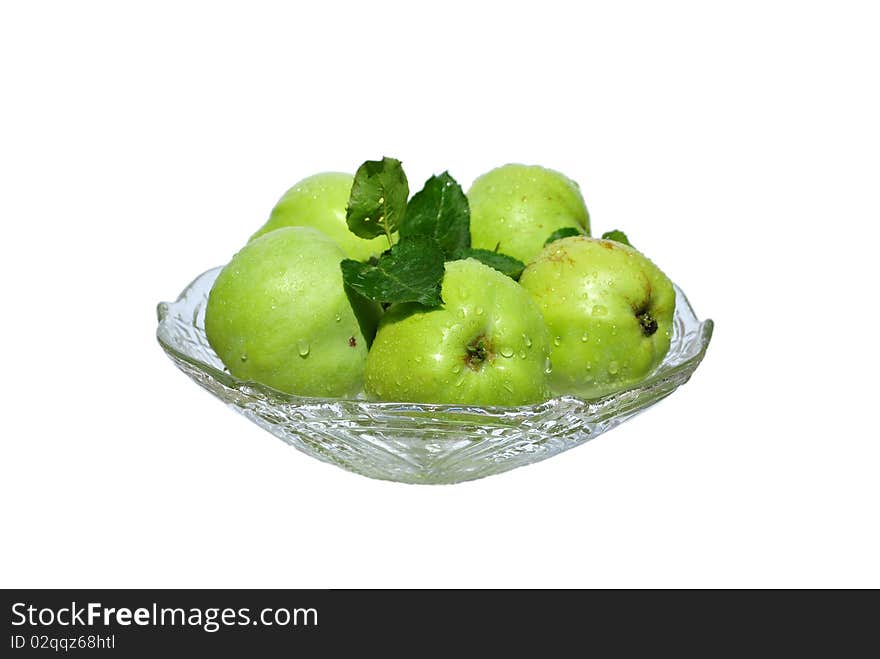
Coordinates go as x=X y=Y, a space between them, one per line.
x=420 y=443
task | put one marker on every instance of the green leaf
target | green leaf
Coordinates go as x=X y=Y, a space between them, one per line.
x=564 y=232
x=501 y=262
x=616 y=236
x=440 y=211
x=378 y=198
x=411 y=271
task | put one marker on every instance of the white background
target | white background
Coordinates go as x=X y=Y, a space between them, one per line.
x=736 y=143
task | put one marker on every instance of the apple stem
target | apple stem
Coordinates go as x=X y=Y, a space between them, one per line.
x=478 y=351
x=648 y=323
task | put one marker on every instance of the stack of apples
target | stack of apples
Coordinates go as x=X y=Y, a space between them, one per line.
x=304 y=306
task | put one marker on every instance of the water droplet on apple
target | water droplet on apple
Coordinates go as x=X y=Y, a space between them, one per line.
x=244 y=358
x=585 y=337
x=557 y=340
x=338 y=318
x=522 y=354
x=548 y=366
x=614 y=330
x=599 y=310
x=456 y=368
x=527 y=340
x=507 y=351
x=303 y=348
x=613 y=367
x=479 y=311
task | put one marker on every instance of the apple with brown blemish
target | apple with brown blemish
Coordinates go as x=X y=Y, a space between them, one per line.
x=280 y=314
x=609 y=311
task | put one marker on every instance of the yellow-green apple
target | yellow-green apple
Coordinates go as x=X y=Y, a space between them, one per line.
x=279 y=314
x=516 y=207
x=487 y=344
x=319 y=202
x=609 y=311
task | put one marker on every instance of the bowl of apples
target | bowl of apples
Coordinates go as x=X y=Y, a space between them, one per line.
x=436 y=338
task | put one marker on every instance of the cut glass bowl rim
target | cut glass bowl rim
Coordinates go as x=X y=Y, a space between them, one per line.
x=663 y=373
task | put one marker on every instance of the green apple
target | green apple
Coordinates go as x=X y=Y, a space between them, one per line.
x=487 y=344
x=609 y=311
x=319 y=201
x=279 y=314
x=517 y=207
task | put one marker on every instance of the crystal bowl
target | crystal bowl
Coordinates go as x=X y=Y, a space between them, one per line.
x=421 y=443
